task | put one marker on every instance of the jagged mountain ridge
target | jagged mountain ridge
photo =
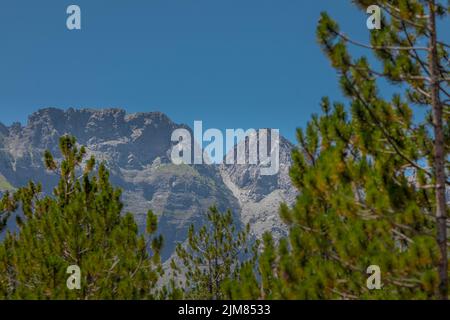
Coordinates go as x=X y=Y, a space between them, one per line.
x=136 y=148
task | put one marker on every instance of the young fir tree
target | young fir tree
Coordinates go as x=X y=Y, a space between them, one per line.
x=213 y=257
x=82 y=225
x=372 y=181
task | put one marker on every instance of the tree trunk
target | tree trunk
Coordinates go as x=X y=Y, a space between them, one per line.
x=439 y=155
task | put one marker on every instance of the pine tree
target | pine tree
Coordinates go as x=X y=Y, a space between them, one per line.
x=372 y=180
x=6 y=206
x=213 y=257
x=81 y=225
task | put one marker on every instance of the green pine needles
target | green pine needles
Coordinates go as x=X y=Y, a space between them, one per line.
x=82 y=225
x=372 y=177
x=213 y=257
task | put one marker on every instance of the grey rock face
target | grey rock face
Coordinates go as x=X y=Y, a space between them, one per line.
x=136 y=149
x=259 y=196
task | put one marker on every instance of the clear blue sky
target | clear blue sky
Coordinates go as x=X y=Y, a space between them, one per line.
x=230 y=63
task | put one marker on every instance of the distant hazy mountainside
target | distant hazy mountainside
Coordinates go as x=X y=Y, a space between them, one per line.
x=136 y=148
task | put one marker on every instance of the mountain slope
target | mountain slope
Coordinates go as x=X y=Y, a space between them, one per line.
x=136 y=149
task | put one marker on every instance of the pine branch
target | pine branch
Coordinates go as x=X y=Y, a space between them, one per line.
x=384 y=75
x=401 y=235
x=423 y=92
x=343 y=295
x=415 y=54
x=400 y=19
x=444 y=91
x=443 y=44
x=386 y=134
x=367 y=46
x=417 y=16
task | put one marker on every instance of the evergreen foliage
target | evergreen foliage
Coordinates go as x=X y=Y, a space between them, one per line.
x=371 y=176
x=213 y=257
x=372 y=179
x=82 y=225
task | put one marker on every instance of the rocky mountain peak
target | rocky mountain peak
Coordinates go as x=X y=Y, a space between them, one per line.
x=3 y=130
x=136 y=148
x=248 y=177
x=127 y=140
